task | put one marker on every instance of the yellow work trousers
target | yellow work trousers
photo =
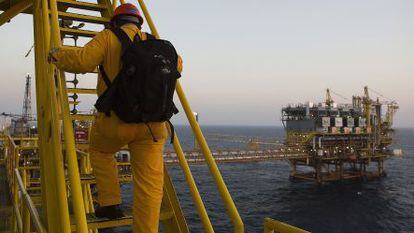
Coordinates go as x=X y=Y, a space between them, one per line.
x=109 y=135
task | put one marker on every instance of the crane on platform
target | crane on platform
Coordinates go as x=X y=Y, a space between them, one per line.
x=11 y=115
x=337 y=94
x=392 y=107
x=328 y=100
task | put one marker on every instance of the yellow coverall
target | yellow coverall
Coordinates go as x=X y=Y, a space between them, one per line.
x=109 y=134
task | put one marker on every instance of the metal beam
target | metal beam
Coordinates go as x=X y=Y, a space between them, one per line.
x=15 y=10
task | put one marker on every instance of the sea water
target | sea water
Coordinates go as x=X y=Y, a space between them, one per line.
x=262 y=189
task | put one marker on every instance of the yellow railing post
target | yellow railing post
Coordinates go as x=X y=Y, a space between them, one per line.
x=25 y=209
x=224 y=193
x=17 y=217
x=29 y=210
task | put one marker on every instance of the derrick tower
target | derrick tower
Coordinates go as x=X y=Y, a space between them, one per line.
x=27 y=100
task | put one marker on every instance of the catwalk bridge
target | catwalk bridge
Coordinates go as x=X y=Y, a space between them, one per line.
x=228 y=156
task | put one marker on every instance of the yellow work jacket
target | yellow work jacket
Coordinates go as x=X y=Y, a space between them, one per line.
x=105 y=49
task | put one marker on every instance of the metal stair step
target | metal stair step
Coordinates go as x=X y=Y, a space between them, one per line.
x=99 y=223
x=82 y=117
x=74 y=102
x=77 y=32
x=82 y=146
x=82 y=5
x=90 y=179
x=82 y=90
x=83 y=18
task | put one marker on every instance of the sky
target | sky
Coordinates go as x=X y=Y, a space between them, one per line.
x=244 y=60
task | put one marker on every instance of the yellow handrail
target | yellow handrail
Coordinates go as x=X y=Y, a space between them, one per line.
x=272 y=226
x=25 y=212
x=225 y=195
x=28 y=206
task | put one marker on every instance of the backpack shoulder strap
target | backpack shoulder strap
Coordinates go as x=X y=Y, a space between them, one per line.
x=122 y=37
x=138 y=39
x=150 y=36
x=104 y=76
x=125 y=42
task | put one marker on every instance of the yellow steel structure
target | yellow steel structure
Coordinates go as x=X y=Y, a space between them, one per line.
x=15 y=10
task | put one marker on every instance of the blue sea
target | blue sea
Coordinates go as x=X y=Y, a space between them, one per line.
x=262 y=189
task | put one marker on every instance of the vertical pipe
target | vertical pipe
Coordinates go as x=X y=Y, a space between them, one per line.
x=15 y=189
x=40 y=99
x=57 y=208
x=26 y=217
x=24 y=177
x=78 y=205
x=84 y=186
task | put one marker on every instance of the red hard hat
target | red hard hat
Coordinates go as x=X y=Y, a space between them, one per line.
x=127 y=9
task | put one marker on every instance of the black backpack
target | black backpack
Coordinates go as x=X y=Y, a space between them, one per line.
x=143 y=90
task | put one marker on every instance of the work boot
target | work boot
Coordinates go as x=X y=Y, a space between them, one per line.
x=111 y=212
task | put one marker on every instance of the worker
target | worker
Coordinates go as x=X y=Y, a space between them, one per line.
x=109 y=134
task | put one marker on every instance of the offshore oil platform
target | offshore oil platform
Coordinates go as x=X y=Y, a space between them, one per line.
x=341 y=141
